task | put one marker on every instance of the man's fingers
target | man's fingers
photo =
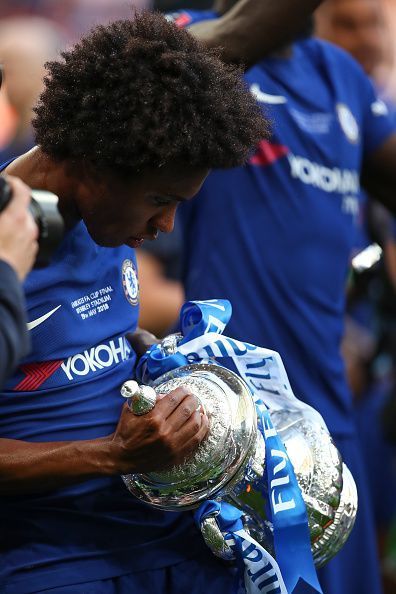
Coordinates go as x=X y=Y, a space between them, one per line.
x=191 y=436
x=185 y=414
x=19 y=206
x=168 y=404
x=20 y=191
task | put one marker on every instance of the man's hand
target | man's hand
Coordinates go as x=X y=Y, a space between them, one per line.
x=18 y=231
x=164 y=437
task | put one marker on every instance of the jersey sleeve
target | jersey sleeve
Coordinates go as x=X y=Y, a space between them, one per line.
x=379 y=119
x=14 y=339
x=393 y=229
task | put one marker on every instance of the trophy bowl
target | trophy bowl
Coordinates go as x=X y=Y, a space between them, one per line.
x=230 y=463
x=221 y=457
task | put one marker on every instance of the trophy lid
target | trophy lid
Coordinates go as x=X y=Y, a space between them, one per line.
x=229 y=444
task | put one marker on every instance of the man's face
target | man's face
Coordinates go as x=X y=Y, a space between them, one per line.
x=357 y=26
x=117 y=213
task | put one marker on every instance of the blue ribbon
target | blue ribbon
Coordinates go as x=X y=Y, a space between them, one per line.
x=196 y=319
x=201 y=317
x=258 y=572
x=288 y=512
x=286 y=505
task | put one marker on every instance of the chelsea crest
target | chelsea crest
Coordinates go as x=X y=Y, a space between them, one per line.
x=130 y=282
x=348 y=123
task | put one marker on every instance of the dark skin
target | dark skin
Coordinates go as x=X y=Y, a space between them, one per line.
x=174 y=428
x=115 y=213
x=379 y=174
x=162 y=438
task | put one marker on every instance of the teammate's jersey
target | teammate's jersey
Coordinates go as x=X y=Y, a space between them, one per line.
x=185 y=18
x=275 y=237
x=80 y=309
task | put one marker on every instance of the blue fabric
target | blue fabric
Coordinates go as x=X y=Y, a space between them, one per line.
x=16 y=147
x=287 y=221
x=394 y=228
x=185 y=18
x=202 y=321
x=275 y=239
x=291 y=532
x=203 y=575
x=67 y=388
x=256 y=569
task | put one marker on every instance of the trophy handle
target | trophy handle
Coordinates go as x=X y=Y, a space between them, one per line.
x=141 y=399
x=214 y=538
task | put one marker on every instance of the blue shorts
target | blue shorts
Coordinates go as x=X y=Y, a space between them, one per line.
x=208 y=576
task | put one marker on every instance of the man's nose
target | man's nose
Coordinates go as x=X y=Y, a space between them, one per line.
x=165 y=221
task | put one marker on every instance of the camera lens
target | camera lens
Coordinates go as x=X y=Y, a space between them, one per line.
x=5 y=193
x=44 y=208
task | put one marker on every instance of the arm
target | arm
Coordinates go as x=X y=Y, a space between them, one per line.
x=253 y=28
x=141 y=340
x=37 y=467
x=390 y=262
x=14 y=339
x=162 y=438
x=18 y=248
x=379 y=174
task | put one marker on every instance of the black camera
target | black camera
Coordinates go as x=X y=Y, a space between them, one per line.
x=44 y=208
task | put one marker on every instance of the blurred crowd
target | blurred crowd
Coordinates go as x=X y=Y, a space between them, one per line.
x=35 y=31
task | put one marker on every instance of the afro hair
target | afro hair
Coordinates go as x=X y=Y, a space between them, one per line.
x=142 y=93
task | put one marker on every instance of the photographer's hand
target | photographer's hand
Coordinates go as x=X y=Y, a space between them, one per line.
x=18 y=231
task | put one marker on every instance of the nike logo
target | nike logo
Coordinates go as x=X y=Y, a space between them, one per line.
x=379 y=108
x=265 y=97
x=41 y=319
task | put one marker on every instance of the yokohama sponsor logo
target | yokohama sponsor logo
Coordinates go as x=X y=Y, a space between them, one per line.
x=98 y=357
x=342 y=181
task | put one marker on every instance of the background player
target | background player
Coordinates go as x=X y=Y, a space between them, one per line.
x=287 y=223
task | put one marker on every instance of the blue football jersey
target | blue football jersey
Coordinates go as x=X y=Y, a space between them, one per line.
x=275 y=237
x=68 y=388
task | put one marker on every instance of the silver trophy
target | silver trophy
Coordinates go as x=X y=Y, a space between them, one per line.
x=229 y=464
